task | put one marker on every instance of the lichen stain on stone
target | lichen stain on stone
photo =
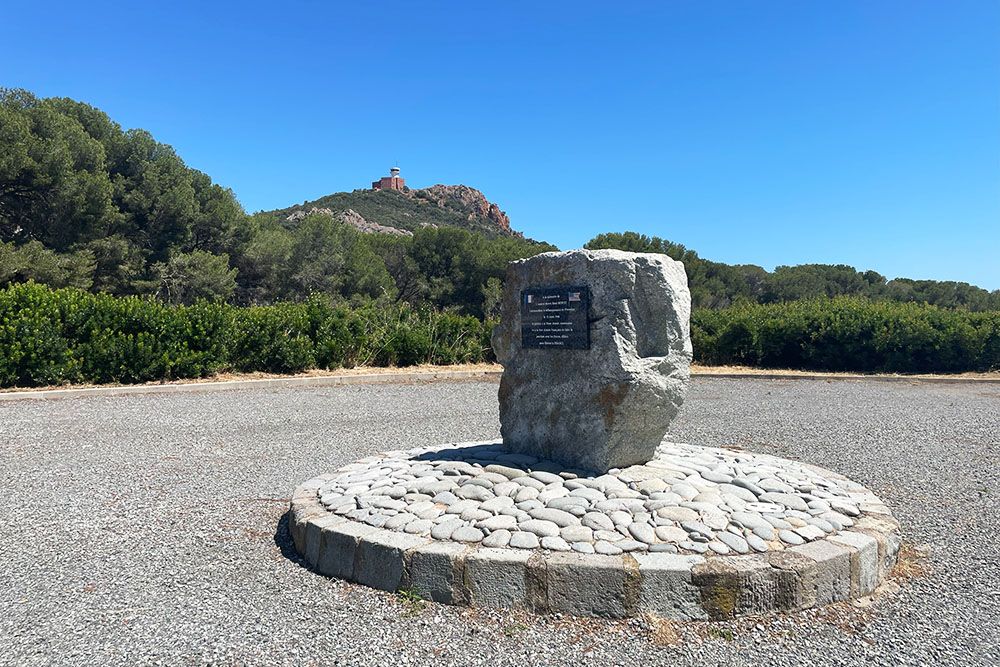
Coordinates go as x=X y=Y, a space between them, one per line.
x=536 y=588
x=719 y=599
x=633 y=582
x=609 y=398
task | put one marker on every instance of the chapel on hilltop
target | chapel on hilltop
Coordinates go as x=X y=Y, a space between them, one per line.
x=390 y=182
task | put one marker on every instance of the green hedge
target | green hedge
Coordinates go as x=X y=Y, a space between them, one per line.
x=848 y=334
x=68 y=336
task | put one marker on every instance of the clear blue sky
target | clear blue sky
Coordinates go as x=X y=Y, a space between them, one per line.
x=865 y=133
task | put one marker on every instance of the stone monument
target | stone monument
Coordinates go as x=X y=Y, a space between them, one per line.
x=581 y=509
x=596 y=350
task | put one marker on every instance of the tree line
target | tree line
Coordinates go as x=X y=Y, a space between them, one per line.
x=86 y=204
x=715 y=285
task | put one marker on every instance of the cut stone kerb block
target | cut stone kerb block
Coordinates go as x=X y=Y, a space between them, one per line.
x=608 y=406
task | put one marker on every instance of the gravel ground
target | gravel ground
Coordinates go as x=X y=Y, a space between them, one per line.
x=150 y=529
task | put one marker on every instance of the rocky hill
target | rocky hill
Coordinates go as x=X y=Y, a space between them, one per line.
x=403 y=212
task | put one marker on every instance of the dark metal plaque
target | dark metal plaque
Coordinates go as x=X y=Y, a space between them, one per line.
x=555 y=317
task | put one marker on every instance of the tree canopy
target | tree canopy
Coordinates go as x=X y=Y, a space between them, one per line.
x=715 y=285
x=87 y=204
x=121 y=204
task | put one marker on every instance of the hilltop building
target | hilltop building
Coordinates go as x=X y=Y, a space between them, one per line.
x=390 y=182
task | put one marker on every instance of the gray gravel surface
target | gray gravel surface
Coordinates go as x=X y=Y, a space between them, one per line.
x=149 y=529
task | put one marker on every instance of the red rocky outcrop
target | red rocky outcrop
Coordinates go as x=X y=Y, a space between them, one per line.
x=464 y=198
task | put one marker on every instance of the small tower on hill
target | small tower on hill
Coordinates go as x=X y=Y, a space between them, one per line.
x=390 y=182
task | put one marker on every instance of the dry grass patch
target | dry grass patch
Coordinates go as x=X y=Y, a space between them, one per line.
x=662 y=631
x=913 y=562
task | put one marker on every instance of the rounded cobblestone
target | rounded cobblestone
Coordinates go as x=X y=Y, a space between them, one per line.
x=719 y=504
x=716 y=497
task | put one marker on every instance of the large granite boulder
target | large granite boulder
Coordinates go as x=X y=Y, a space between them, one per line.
x=608 y=406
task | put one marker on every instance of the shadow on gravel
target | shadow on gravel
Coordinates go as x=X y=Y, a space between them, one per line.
x=283 y=540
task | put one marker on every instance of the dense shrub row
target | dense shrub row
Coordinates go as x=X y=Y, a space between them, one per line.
x=67 y=335
x=848 y=334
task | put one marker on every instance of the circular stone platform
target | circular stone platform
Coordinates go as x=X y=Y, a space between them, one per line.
x=695 y=533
